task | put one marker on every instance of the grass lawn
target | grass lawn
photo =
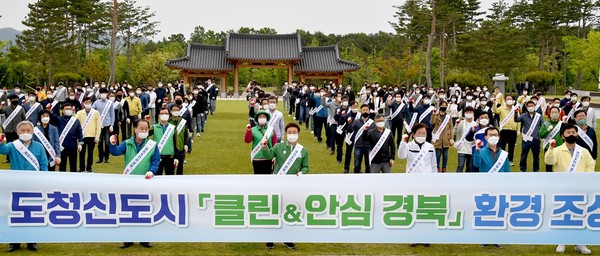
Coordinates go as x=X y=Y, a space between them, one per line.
x=221 y=150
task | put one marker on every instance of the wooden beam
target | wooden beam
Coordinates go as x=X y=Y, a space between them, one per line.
x=236 y=80
x=223 y=87
x=262 y=66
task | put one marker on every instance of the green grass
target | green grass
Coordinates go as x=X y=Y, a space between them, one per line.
x=221 y=150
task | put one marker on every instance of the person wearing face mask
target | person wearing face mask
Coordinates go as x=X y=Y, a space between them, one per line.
x=331 y=104
x=26 y=155
x=523 y=99
x=507 y=125
x=464 y=147
x=161 y=93
x=571 y=106
x=60 y=93
x=134 y=109
x=362 y=148
x=105 y=107
x=144 y=99
x=73 y=100
x=531 y=122
x=566 y=99
x=199 y=109
x=291 y=158
x=477 y=133
x=419 y=154
x=47 y=135
x=182 y=137
x=118 y=113
x=398 y=112
x=554 y=103
x=345 y=121
x=341 y=128
x=164 y=134
x=590 y=112
x=151 y=104
x=424 y=113
x=570 y=157
x=32 y=108
x=468 y=102
x=70 y=137
x=491 y=158
x=551 y=131
x=91 y=125
x=443 y=135
x=586 y=134
x=142 y=157
x=276 y=121
x=319 y=114
x=382 y=147
x=14 y=114
x=257 y=135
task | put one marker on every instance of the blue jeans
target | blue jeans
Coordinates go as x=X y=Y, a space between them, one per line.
x=200 y=122
x=438 y=154
x=213 y=105
x=464 y=160
x=534 y=146
x=359 y=154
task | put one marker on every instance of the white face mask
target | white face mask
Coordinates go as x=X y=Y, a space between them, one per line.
x=420 y=140
x=164 y=117
x=509 y=102
x=585 y=103
x=131 y=94
x=531 y=109
x=142 y=135
x=354 y=110
x=469 y=97
x=380 y=124
x=292 y=138
x=68 y=112
x=72 y=97
x=493 y=140
x=87 y=106
x=262 y=121
x=272 y=106
x=484 y=122
x=426 y=102
x=45 y=120
x=345 y=103
x=103 y=96
x=25 y=136
x=175 y=113
x=111 y=98
x=31 y=98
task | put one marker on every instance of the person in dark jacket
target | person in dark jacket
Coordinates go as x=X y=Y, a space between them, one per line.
x=381 y=140
x=70 y=140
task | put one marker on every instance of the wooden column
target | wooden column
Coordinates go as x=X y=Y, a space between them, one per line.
x=223 y=86
x=302 y=78
x=236 y=80
x=290 y=73
x=186 y=78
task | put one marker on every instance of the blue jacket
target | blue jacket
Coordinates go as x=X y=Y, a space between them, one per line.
x=34 y=115
x=145 y=99
x=484 y=160
x=323 y=111
x=74 y=135
x=53 y=138
x=18 y=162
x=420 y=110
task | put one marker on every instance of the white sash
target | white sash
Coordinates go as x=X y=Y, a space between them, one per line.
x=362 y=129
x=168 y=133
x=81 y=96
x=499 y=162
x=340 y=129
x=26 y=154
x=183 y=109
x=274 y=119
x=61 y=91
x=426 y=113
x=116 y=104
x=486 y=109
x=440 y=129
x=46 y=143
x=418 y=99
x=53 y=104
x=32 y=109
x=122 y=102
x=553 y=133
x=66 y=130
x=11 y=116
x=105 y=110
x=536 y=119
x=265 y=137
x=508 y=117
x=349 y=138
x=295 y=154
x=208 y=88
x=577 y=153
x=481 y=131
x=412 y=122
x=139 y=157
x=573 y=109
x=538 y=105
x=192 y=105
x=393 y=115
x=585 y=137
x=181 y=125
x=330 y=120
x=415 y=163
x=88 y=119
x=315 y=110
x=379 y=144
x=463 y=139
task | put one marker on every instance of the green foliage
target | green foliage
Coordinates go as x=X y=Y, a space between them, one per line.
x=464 y=79
x=67 y=78
x=542 y=80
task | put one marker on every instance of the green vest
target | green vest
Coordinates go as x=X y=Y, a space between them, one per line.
x=257 y=135
x=180 y=136
x=132 y=151
x=167 y=149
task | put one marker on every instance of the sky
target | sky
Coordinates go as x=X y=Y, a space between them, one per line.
x=181 y=16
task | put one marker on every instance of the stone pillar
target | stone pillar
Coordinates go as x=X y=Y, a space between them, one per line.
x=500 y=82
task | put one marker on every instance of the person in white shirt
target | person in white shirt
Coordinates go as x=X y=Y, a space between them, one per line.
x=463 y=146
x=276 y=119
x=152 y=104
x=591 y=113
x=419 y=154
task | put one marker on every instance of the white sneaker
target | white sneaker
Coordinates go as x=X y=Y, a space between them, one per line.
x=582 y=249
x=197 y=134
x=560 y=248
x=184 y=161
x=512 y=164
x=294 y=118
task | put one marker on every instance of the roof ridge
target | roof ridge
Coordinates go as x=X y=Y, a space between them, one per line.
x=291 y=35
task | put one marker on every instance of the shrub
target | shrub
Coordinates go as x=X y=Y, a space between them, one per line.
x=67 y=78
x=541 y=80
x=464 y=79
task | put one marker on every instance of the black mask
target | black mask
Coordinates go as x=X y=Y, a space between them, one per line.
x=571 y=139
x=119 y=97
x=443 y=109
x=178 y=102
x=14 y=102
x=365 y=115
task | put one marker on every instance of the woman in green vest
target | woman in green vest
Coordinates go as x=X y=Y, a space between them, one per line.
x=284 y=150
x=141 y=157
x=181 y=137
x=255 y=136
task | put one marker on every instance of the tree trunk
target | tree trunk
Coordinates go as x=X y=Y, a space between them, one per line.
x=542 y=53
x=113 y=45
x=442 y=56
x=420 y=62
x=430 y=39
x=554 y=64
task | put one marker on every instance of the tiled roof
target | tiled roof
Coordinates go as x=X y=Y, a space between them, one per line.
x=260 y=47
x=203 y=57
x=324 y=59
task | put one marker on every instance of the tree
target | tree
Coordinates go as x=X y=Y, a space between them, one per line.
x=201 y=36
x=113 y=43
x=430 y=39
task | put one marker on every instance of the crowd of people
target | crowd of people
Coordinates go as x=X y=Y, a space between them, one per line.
x=48 y=128
x=375 y=123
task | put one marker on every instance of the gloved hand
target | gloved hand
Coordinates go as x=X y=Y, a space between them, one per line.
x=478 y=144
x=79 y=147
x=113 y=139
x=552 y=144
x=550 y=127
x=175 y=163
x=405 y=138
x=2 y=137
x=128 y=120
x=149 y=175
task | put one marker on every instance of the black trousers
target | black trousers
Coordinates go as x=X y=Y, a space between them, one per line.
x=262 y=166
x=123 y=130
x=329 y=135
x=103 y=144
x=348 y=157
x=180 y=156
x=319 y=123
x=133 y=119
x=292 y=105
x=68 y=155
x=166 y=166
x=85 y=164
x=339 y=141
x=508 y=138
x=397 y=132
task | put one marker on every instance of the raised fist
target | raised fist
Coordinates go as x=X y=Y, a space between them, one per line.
x=457 y=122
x=113 y=139
x=264 y=143
x=337 y=111
x=552 y=143
x=475 y=126
x=147 y=117
x=565 y=119
x=57 y=161
x=349 y=119
x=478 y=144
x=128 y=120
x=516 y=110
x=550 y=127
x=366 y=127
x=2 y=137
x=149 y=175
x=248 y=127
x=49 y=106
x=343 y=113
x=405 y=137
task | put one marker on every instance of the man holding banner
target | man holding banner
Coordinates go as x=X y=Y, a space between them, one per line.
x=551 y=131
x=383 y=148
x=257 y=135
x=570 y=157
x=290 y=157
x=142 y=157
x=491 y=158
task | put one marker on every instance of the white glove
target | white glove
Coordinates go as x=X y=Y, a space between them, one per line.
x=113 y=139
x=451 y=142
x=128 y=120
x=149 y=175
x=139 y=116
x=79 y=147
x=550 y=127
x=185 y=148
